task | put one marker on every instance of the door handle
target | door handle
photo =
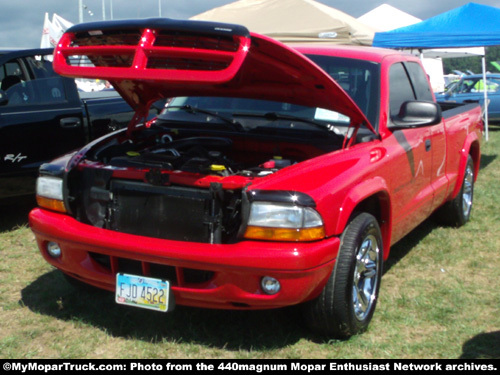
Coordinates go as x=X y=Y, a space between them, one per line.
x=427 y=144
x=70 y=122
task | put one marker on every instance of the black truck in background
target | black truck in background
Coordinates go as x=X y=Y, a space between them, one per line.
x=44 y=115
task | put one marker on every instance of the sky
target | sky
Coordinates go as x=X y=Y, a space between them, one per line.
x=22 y=20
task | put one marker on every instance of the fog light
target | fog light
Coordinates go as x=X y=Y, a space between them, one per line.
x=53 y=249
x=270 y=285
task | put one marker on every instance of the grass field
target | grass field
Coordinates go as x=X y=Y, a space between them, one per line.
x=440 y=298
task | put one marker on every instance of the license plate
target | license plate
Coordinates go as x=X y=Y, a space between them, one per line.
x=143 y=292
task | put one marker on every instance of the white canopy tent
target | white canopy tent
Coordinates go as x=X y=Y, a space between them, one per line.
x=293 y=21
x=386 y=17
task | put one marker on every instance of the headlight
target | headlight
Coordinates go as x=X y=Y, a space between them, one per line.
x=283 y=222
x=49 y=193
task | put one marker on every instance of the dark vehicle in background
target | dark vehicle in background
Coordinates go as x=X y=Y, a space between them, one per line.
x=44 y=115
x=470 y=89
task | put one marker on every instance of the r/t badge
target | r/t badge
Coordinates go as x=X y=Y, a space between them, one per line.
x=14 y=158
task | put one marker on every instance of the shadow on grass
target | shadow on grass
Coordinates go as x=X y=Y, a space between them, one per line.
x=14 y=212
x=486 y=160
x=482 y=346
x=52 y=295
x=406 y=244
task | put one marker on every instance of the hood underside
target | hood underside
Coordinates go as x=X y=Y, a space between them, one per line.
x=148 y=60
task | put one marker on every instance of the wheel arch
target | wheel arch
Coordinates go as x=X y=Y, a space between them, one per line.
x=475 y=152
x=372 y=197
x=472 y=148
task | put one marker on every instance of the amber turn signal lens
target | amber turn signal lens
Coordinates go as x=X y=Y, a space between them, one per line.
x=284 y=234
x=51 y=204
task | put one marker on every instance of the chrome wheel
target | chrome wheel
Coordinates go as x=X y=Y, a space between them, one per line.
x=347 y=303
x=468 y=190
x=364 y=289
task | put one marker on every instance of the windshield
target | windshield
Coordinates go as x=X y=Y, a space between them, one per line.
x=358 y=78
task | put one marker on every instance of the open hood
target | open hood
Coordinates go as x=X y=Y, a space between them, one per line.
x=147 y=60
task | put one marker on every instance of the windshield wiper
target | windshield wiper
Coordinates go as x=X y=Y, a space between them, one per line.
x=274 y=116
x=235 y=125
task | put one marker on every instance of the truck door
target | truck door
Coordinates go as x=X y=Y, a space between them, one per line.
x=435 y=141
x=40 y=119
x=412 y=153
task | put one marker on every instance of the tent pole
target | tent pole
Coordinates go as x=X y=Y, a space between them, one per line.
x=485 y=90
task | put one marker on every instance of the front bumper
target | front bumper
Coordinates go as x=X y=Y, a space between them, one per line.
x=201 y=275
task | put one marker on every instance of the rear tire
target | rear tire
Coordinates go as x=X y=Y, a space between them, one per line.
x=457 y=211
x=346 y=305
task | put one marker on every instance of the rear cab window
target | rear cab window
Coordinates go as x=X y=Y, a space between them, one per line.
x=407 y=81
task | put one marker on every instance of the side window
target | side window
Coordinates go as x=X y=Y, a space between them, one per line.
x=400 y=87
x=466 y=85
x=11 y=73
x=43 y=86
x=13 y=78
x=492 y=85
x=48 y=86
x=420 y=81
x=41 y=66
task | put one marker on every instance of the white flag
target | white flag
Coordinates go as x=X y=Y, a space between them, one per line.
x=52 y=31
x=45 y=42
x=60 y=22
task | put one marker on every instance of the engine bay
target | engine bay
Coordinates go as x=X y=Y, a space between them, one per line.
x=202 y=155
x=134 y=184
x=208 y=155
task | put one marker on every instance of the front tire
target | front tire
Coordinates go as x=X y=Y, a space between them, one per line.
x=346 y=305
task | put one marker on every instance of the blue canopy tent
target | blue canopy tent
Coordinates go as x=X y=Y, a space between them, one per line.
x=472 y=25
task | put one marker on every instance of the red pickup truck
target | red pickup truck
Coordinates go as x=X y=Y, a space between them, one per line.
x=275 y=176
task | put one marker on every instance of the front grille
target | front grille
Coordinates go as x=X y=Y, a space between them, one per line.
x=150 y=50
x=164 y=39
x=177 y=276
x=171 y=212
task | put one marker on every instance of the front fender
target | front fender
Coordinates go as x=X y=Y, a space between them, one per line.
x=372 y=188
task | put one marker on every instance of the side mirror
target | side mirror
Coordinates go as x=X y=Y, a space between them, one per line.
x=415 y=114
x=4 y=98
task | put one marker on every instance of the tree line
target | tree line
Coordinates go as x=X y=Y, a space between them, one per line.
x=473 y=63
